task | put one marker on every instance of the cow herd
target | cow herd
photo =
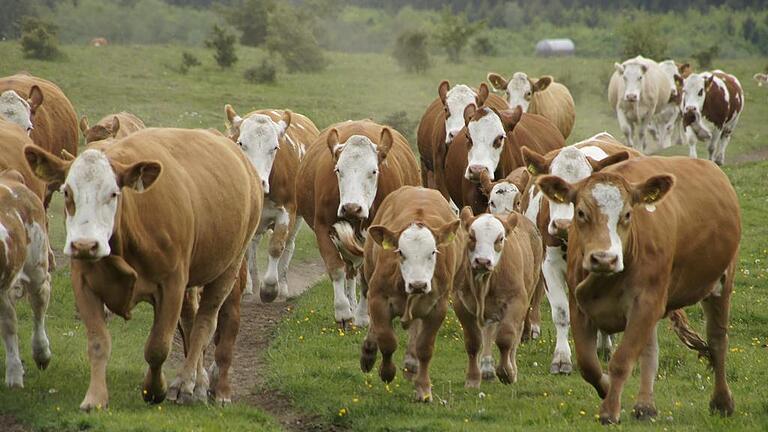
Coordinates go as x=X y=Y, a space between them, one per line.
x=495 y=213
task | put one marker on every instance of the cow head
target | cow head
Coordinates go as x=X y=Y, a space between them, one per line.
x=604 y=205
x=519 y=89
x=572 y=165
x=417 y=247
x=99 y=132
x=633 y=73
x=487 y=131
x=92 y=185
x=259 y=137
x=454 y=101
x=503 y=196
x=671 y=71
x=695 y=89
x=485 y=240
x=357 y=169
x=16 y=109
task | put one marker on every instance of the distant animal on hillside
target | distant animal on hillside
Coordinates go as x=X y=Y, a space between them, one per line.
x=761 y=79
x=98 y=42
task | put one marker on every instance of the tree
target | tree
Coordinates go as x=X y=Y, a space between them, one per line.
x=454 y=31
x=290 y=35
x=39 y=40
x=411 y=50
x=641 y=35
x=224 y=43
x=251 y=17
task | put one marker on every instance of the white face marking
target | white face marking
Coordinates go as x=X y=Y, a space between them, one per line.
x=260 y=140
x=485 y=133
x=418 y=255
x=694 y=93
x=503 y=197
x=16 y=110
x=670 y=70
x=487 y=231
x=633 y=80
x=519 y=91
x=609 y=200
x=358 y=173
x=534 y=205
x=93 y=187
x=457 y=100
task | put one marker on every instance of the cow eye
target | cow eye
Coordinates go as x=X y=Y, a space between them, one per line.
x=528 y=94
x=701 y=92
x=66 y=193
x=274 y=149
x=239 y=143
x=497 y=142
x=627 y=215
x=581 y=214
x=374 y=172
x=114 y=195
x=492 y=204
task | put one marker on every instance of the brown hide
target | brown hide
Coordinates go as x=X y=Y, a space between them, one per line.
x=12 y=142
x=717 y=108
x=117 y=126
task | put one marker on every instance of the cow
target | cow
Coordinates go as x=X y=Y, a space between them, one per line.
x=668 y=123
x=761 y=79
x=717 y=98
x=638 y=91
x=493 y=289
x=98 y=42
x=275 y=142
x=51 y=115
x=634 y=257
x=441 y=123
x=148 y=216
x=13 y=139
x=113 y=126
x=23 y=269
x=368 y=161
x=412 y=252
x=542 y=96
x=572 y=163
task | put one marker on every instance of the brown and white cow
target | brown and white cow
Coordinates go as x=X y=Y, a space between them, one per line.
x=341 y=182
x=493 y=290
x=23 y=270
x=148 y=216
x=99 y=42
x=48 y=115
x=717 y=99
x=667 y=125
x=13 y=139
x=113 y=126
x=543 y=96
x=441 y=123
x=761 y=79
x=275 y=142
x=634 y=256
x=412 y=252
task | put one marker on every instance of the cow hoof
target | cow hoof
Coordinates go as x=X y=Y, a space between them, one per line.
x=154 y=394
x=268 y=293
x=14 y=382
x=94 y=404
x=42 y=357
x=722 y=404
x=410 y=367
x=506 y=376
x=562 y=368
x=487 y=369
x=387 y=371
x=535 y=331
x=181 y=392
x=472 y=383
x=223 y=401
x=423 y=397
x=14 y=376
x=607 y=419
x=368 y=355
x=643 y=411
x=344 y=324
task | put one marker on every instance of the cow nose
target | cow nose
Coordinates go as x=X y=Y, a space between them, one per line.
x=475 y=171
x=603 y=262
x=351 y=210
x=560 y=226
x=451 y=136
x=418 y=287
x=690 y=109
x=631 y=97
x=482 y=263
x=265 y=186
x=84 y=248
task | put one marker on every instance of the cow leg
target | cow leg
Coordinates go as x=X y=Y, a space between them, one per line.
x=585 y=341
x=99 y=345
x=253 y=264
x=285 y=259
x=604 y=345
x=642 y=133
x=380 y=335
x=690 y=136
x=39 y=289
x=269 y=289
x=714 y=144
x=425 y=346
x=213 y=296
x=553 y=270
x=489 y=332
x=716 y=311
x=507 y=340
x=186 y=322
x=410 y=362
x=14 y=370
x=649 y=365
x=226 y=336
x=472 y=342
x=167 y=313
x=532 y=328
x=725 y=139
x=626 y=128
x=350 y=288
x=335 y=267
x=361 y=314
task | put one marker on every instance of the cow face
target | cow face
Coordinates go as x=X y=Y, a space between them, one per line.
x=485 y=137
x=695 y=89
x=485 y=240
x=17 y=110
x=91 y=186
x=357 y=171
x=417 y=248
x=520 y=89
x=633 y=74
x=604 y=205
x=503 y=196
x=454 y=101
x=670 y=69
x=260 y=139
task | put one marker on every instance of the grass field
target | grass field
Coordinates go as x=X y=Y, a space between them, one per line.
x=310 y=360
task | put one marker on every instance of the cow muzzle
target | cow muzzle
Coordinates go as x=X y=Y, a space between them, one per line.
x=602 y=262
x=559 y=227
x=84 y=249
x=418 y=287
x=631 y=97
x=352 y=211
x=482 y=265
x=474 y=172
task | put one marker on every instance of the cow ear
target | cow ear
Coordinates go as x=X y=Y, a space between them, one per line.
x=284 y=122
x=619 y=68
x=114 y=126
x=598 y=165
x=447 y=233
x=542 y=83
x=83 y=124
x=556 y=189
x=46 y=166
x=140 y=176
x=708 y=82
x=35 y=98
x=653 y=190
x=510 y=118
x=383 y=237
x=536 y=163
x=333 y=143
x=684 y=69
x=469 y=112
x=67 y=156
x=644 y=68
x=232 y=117
x=385 y=144
x=497 y=81
x=482 y=94
x=442 y=91
x=679 y=81
x=467 y=217
x=486 y=185
x=510 y=224
x=13 y=175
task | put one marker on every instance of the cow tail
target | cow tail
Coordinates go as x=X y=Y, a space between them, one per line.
x=346 y=240
x=687 y=335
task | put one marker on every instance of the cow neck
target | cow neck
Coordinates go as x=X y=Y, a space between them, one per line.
x=480 y=284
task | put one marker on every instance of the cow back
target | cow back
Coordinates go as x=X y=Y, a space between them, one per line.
x=12 y=142
x=556 y=104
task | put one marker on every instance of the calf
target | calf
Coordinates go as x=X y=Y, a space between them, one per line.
x=668 y=123
x=275 y=142
x=494 y=286
x=149 y=216
x=340 y=184
x=634 y=256
x=542 y=96
x=412 y=253
x=718 y=98
x=113 y=126
x=23 y=267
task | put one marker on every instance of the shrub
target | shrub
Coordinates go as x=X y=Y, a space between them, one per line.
x=290 y=36
x=38 y=39
x=188 y=61
x=484 y=46
x=704 y=57
x=641 y=35
x=265 y=73
x=454 y=31
x=224 y=43
x=399 y=121
x=251 y=18
x=411 y=50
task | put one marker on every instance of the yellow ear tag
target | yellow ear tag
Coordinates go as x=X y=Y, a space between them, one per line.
x=650 y=208
x=559 y=198
x=450 y=238
x=532 y=169
x=387 y=245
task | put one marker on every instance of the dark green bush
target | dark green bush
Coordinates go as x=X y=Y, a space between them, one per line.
x=224 y=43
x=290 y=36
x=411 y=50
x=38 y=39
x=454 y=32
x=265 y=73
x=704 y=57
x=484 y=46
x=188 y=61
x=400 y=121
x=251 y=18
x=642 y=35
